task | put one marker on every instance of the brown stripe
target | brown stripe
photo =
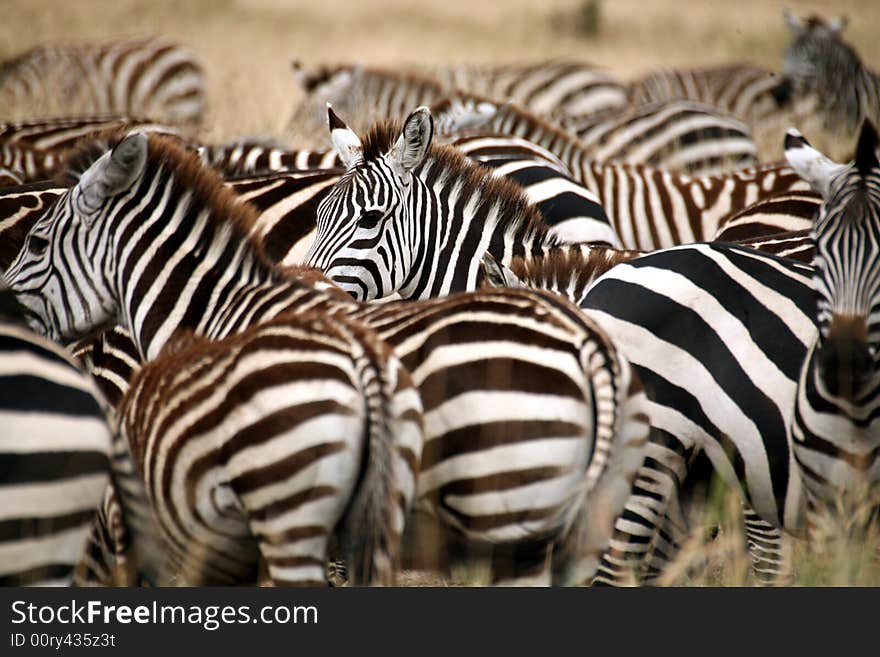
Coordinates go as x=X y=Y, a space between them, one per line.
x=286 y=504
x=285 y=468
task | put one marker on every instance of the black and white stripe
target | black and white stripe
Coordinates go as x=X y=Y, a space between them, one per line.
x=743 y=90
x=55 y=447
x=676 y=135
x=141 y=76
x=570 y=90
x=564 y=451
x=767 y=366
x=648 y=208
x=356 y=420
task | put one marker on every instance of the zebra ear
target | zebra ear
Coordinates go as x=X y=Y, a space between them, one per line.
x=837 y=25
x=810 y=164
x=496 y=274
x=793 y=22
x=866 y=151
x=344 y=139
x=413 y=143
x=115 y=171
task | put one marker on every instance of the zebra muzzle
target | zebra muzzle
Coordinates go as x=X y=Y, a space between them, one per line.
x=845 y=359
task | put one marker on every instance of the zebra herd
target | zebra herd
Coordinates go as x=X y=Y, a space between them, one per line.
x=530 y=304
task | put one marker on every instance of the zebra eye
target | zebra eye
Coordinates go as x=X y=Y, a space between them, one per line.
x=38 y=245
x=370 y=219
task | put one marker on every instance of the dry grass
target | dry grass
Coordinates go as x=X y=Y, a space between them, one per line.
x=247 y=44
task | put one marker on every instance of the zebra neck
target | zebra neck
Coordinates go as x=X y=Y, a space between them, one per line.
x=462 y=224
x=183 y=270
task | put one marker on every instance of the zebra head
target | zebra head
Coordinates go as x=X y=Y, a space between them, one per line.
x=59 y=275
x=846 y=233
x=815 y=53
x=366 y=235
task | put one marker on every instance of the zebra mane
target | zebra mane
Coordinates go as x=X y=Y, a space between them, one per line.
x=570 y=267
x=814 y=21
x=515 y=212
x=202 y=182
x=314 y=278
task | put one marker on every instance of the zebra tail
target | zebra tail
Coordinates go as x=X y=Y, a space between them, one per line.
x=620 y=435
x=372 y=528
x=139 y=524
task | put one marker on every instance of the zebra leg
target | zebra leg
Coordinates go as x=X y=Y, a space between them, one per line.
x=105 y=559
x=526 y=563
x=769 y=549
x=637 y=530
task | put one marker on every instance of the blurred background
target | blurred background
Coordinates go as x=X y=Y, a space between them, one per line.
x=247 y=45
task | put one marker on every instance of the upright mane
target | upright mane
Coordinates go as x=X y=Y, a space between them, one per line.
x=190 y=174
x=569 y=268
x=515 y=212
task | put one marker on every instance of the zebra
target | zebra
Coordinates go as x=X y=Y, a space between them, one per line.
x=254 y=157
x=352 y=440
x=649 y=208
x=147 y=76
x=545 y=476
x=20 y=208
x=370 y=92
x=368 y=225
x=677 y=135
x=783 y=213
x=744 y=90
x=27 y=164
x=460 y=212
x=55 y=447
x=819 y=64
x=34 y=150
x=766 y=365
x=62 y=133
x=553 y=88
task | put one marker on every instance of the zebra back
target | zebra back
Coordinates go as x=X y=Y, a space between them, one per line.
x=250 y=157
x=743 y=90
x=62 y=133
x=783 y=213
x=676 y=135
x=143 y=76
x=569 y=89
